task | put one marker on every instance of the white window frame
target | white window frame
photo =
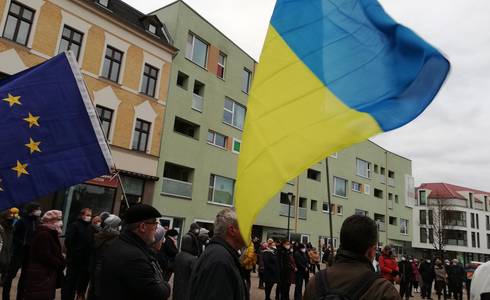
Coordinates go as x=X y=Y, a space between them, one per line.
x=214 y=189
x=358 y=184
x=214 y=139
x=367 y=189
x=426 y=198
x=32 y=4
x=406 y=226
x=232 y=111
x=341 y=212
x=78 y=24
x=335 y=187
x=233 y=145
x=189 y=52
x=222 y=65
x=368 y=168
x=325 y=211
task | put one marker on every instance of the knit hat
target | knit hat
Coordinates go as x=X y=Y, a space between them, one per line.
x=159 y=233
x=141 y=212
x=112 y=221
x=172 y=232
x=51 y=216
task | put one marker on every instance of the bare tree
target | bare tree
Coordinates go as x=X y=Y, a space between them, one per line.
x=441 y=218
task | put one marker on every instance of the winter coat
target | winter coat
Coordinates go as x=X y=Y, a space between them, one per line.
x=456 y=275
x=389 y=267
x=415 y=272
x=23 y=232
x=43 y=270
x=406 y=271
x=102 y=241
x=129 y=271
x=217 y=274
x=270 y=261
x=184 y=262
x=196 y=245
x=427 y=272
x=6 y=234
x=167 y=255
x=347 y=270
x=78 y=242
x=287 y=266
x=441 y=274
x=301 y=261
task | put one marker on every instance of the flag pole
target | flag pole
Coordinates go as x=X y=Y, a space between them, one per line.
x=329 y=210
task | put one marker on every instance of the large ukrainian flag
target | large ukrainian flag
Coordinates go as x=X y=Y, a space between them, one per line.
x=332 y=73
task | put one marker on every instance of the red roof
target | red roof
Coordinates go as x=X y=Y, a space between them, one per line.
x=448 y=191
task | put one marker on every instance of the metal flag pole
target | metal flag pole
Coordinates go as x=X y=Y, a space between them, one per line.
x=329 y=210
x=122 y=187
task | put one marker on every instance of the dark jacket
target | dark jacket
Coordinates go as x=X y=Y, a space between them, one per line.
x=129 y=271
x=184 y=262
x=6 y=235
x=427 y=272
x=456 y=275
x=102 y=240
x=405 y=268
x=78 y=242
x=217 y=274
x=23 y=233
x=301 y=261
x=43 y=270
x=287 y=265
x=348 y=269
x=196 y=245
x=270 y=261
x=166 y=256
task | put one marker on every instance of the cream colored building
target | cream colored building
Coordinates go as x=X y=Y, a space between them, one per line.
x=125 y=57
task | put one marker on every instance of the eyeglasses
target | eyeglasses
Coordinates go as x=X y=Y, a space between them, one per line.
x=152 y=222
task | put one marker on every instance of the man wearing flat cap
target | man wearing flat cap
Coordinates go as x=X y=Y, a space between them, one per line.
x=129 y=270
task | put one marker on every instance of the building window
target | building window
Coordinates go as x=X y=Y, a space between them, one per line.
x=378 y=193
x=247 y=78
x=235 y=147
x=152 y=28
x=403 y=226
x=391 y=174
x=104 y=3
x=234 y=114
x=363 y=168
x=478 y=239
x=470 y=196
x=220 y=72
x=431 y=235
x=186 y=128
x=472 y=220
x=112 y=64
x=361 y=212
x=396 y=198
x=390 y=197
x=325 y=207
x=488 y=222
x=477 y=221
x=177 y=180
x=431 y=217
x=473 y=239
x=133 y=187
x=423 y=217
x=356 y=187
x=376 y=168
x=314 y=205
x=197 y=50
x=339 y=187
x=19 y=23
x=422 y=197
x=71 y=39
x=217 y=139
x=105 y=118
x=221 y=190
x=182 y=80
x=488 y=241
x=141 y=134
x=340 y=210
x=423 y=235
x=198 y=96
x=314 y=174
x=150 y=77
x=392 y=220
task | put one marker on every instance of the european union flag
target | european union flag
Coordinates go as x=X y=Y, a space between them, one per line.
x=50 y=136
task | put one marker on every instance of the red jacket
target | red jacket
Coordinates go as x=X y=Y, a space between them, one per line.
x=387 y=265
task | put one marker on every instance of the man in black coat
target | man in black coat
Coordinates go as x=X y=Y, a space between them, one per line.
x=217 y=273
x=129 y=269
x=184 y=262
x=428 y=275
x=78 y=243
x=302 y=273
x=405 y=268
x=457 y=276
x=272 y=269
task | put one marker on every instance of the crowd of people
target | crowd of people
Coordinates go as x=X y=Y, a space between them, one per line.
x=104 y=257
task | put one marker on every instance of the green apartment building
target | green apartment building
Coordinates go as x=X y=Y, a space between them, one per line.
x=205 y=111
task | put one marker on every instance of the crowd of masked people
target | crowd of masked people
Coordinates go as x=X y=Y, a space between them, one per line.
x=104 y=257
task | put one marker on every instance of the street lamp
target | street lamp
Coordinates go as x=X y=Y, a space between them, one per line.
x=290 y=199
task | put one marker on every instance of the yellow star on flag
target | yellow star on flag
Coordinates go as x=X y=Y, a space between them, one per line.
x=32 y=120
x=12 y=100
x=33 y=146
x=21 y=169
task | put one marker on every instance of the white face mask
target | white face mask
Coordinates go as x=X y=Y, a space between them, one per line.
x=287 y=247
x=303 y=250
x=403 y=259
x=87 y=218
x=59 y=224
x=37 y=213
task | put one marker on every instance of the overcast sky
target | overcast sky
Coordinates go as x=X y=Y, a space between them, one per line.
x=450 y=141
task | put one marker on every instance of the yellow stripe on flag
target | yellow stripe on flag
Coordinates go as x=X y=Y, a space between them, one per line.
x=293 y=121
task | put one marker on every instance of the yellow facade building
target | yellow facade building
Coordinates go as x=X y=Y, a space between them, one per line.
x=125 y=57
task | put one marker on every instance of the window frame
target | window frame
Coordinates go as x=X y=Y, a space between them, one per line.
x=221 y=65
x=138 y=132
x=189 y=54
x=70 y=40
x=213 y=142
x=18 y=20
x=213 y=187
x=406 y=226
x=248 y=80
x=335 y=186
x=358 y=184
x=368 y=169
x=233 y=113
x=235 y=140
x=112 y=61
x=340 y=210
x=103 y=120
x=146 y=79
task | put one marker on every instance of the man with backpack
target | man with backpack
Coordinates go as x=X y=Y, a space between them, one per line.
x=352 y=275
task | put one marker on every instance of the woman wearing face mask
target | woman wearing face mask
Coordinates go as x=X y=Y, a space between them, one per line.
x=441 y=278
x=287 y=268
x=388 y=265
x=43 y=271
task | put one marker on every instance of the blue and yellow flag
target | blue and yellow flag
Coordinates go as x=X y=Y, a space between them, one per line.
x=50 y=137
x=332 y=73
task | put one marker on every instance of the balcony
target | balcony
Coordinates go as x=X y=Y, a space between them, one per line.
x=461 y=223
x=382 y=178
x=391 y=182
x=197 y=102
x=381 y=226
x=177 y=188
x=284 y=210
x=302 y=213
x=453 y=242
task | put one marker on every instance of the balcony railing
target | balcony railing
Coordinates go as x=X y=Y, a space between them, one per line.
x=461 y=223
x=302 y=213
x=178 y=188
x=381 y=226
x=197 y=102
x=454 y=242
x=382 y=178
x=391 y=182
x=284 y=210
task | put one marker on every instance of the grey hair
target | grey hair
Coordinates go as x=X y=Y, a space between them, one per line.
x=224 y=218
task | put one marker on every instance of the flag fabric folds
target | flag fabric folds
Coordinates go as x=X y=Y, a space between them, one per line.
x=50 y=136
x=332 y=73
